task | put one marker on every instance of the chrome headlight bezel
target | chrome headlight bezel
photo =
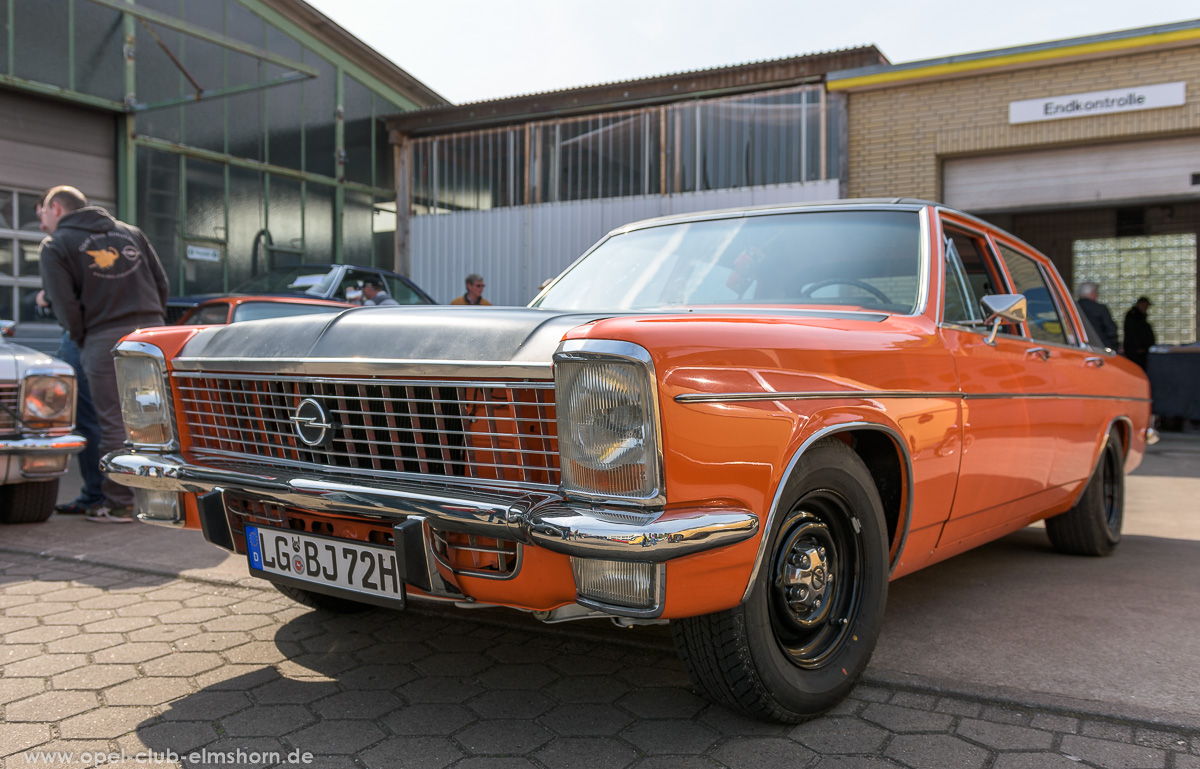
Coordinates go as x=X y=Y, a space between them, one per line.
x=613 y=365
x=59 y=420
x=142 y=379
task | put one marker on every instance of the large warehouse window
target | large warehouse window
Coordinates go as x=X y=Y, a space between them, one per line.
x=775 y=137
x=20 y=238
x=1161 y=267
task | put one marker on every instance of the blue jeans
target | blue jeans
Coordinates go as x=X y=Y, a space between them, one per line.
x=86 y=424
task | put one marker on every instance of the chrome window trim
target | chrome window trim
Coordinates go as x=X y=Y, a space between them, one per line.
x=369 y=367
x=606 y=349
x=983 y=331
x=773 y=513
x=133 y=349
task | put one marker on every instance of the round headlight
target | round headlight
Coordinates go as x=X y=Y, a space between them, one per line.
x=47 y=398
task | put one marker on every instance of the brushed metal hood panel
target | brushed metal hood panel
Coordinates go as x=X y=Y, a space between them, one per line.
x=388 y=334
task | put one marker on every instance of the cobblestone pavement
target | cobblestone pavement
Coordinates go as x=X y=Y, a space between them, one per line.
x=121 y=663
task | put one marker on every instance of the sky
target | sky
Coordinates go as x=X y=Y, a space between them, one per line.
x=478 y=50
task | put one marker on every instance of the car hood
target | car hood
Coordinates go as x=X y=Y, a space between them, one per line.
x=17 y=359
x=441 y=333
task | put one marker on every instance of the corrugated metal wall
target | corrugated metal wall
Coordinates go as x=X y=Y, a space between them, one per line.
x=515 y=249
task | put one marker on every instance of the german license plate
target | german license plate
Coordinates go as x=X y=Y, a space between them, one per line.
x=349 y=566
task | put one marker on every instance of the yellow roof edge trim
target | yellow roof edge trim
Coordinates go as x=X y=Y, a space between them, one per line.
x=992 y=62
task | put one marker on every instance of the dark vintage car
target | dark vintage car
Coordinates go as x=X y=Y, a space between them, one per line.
x=37 y=415
x=744 y=423
x=338 y=282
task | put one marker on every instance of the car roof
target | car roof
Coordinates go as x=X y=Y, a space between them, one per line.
x=906 y=204
x=285 y=298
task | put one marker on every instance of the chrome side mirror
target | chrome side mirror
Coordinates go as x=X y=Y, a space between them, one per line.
x=1001 y=309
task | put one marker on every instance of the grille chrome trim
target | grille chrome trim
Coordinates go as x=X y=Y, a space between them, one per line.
x=497 y=432
x=9 y=407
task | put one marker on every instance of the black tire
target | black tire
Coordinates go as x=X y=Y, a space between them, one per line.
x=1093 y=525
x=30 y=502
x=321 y=601
x=798 y=644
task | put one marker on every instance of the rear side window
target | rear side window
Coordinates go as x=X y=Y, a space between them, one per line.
x=260 y=310
x=402 y=293
x=1045 y=319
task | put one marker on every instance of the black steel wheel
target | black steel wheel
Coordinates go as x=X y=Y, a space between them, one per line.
x=803 y=637
x=1093 y=525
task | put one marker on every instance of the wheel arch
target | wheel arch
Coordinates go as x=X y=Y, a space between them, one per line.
x=1123 y=427
x=885 y=454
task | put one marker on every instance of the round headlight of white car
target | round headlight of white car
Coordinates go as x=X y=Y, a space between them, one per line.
x=47 y=398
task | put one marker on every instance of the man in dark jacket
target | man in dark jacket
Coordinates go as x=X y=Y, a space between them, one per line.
x=1097 y=314
x=103 y=280
x=1139 y=334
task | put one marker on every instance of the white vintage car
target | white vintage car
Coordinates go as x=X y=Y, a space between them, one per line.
x=37 y=416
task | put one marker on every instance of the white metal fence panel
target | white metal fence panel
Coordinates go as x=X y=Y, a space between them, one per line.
x=517 y=248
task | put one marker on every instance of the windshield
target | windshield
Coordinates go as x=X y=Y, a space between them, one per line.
x=861 y=259
x=300 y=279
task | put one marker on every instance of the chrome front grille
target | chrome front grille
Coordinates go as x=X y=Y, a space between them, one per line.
x=9 y=408
x=501 y=432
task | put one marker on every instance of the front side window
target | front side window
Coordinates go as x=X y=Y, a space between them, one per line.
x=1045 y=320
x=855 y=259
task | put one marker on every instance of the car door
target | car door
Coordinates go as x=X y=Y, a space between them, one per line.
x=1074 y=365
x=1006 y=385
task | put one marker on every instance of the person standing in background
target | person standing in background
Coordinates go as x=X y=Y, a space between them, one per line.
x=474 y=293
x=1139 y=334
x=86 y=424
x=1097 y=314
x=103 y=280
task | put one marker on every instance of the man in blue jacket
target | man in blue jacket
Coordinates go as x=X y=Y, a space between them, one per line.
x=103 y=280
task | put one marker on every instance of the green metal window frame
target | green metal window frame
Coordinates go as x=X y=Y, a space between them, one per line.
x=130 y=141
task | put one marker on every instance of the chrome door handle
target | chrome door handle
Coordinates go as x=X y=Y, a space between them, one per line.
x=1040 y=352
x=1097 y=362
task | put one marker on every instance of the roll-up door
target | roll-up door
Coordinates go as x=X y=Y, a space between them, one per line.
x=44 y=143
x=1130 y=172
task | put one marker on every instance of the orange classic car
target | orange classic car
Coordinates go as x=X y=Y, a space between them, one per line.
x=744 y=423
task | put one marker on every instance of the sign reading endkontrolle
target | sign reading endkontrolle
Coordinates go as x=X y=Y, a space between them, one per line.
x=1098 y=103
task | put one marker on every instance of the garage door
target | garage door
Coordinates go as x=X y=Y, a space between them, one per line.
x=1111 y=173
x=44 y=143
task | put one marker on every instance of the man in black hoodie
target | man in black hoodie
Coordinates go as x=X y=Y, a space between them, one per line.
x=103 y=280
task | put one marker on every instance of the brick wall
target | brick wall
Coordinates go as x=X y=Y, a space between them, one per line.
x=898 y=135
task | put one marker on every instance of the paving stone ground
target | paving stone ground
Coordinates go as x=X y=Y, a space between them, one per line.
x=102 y=666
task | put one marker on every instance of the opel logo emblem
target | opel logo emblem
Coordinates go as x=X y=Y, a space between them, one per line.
x=312 y=423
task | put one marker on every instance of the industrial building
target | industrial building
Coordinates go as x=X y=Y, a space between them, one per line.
x=239 y=134
x=1088 y=148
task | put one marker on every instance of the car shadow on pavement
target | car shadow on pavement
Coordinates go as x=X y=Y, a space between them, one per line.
x=427 y=688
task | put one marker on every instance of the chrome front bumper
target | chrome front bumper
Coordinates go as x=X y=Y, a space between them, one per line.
x=58 y=444
x=542 y=519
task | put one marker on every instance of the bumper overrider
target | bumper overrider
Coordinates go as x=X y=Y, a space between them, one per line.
x=543 y=519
